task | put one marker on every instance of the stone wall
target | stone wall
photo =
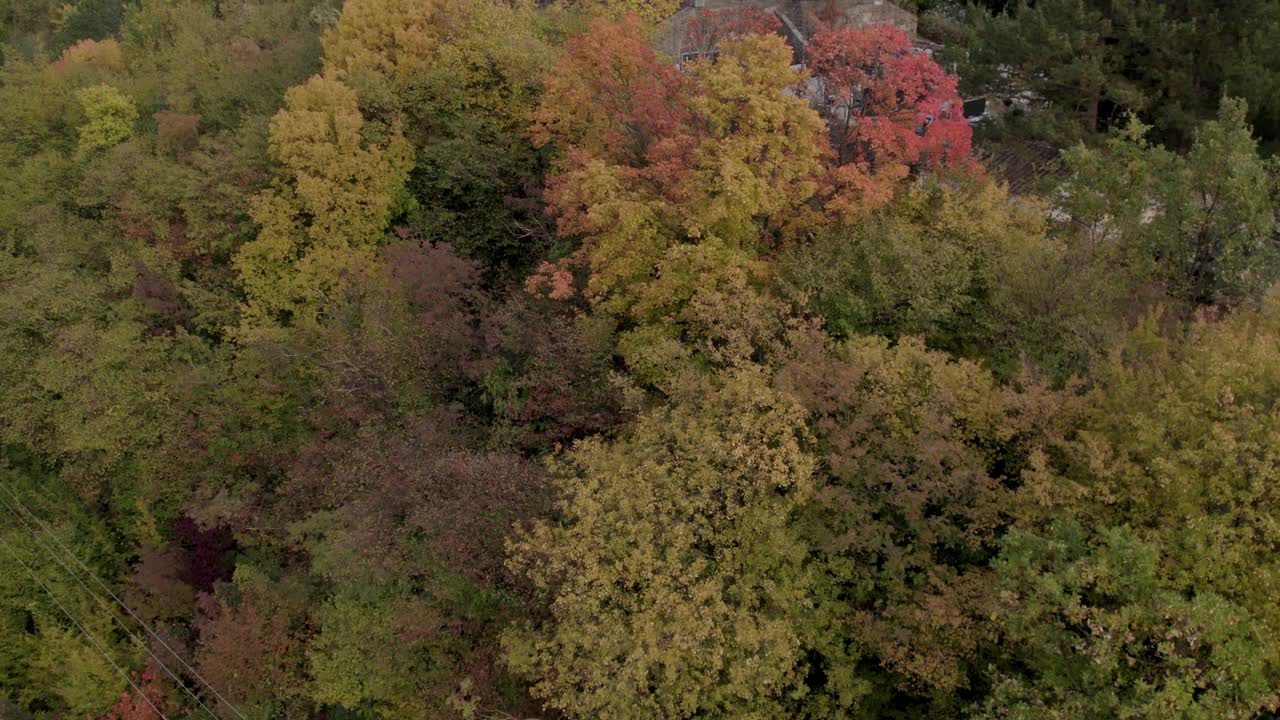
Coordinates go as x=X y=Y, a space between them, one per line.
x=804 y=15
x=880 y=12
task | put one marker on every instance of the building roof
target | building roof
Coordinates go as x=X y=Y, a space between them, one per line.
x=1028 y=167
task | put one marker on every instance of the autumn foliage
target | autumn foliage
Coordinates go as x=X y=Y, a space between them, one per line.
x=146 y=702
x=611 y=98
x=891 y=109
x=646 y=146
x=475 y=360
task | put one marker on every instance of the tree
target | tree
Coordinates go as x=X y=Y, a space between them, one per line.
x=156 y=592
x=144 y=703
x=706 y=155
x=405 y=336
x=890 y=109
x=647 y=11
x=927 y=264
x=888 y=104
x=22 y=21
x=424 y=543
x=1056 y=50
x=611 y=97
x=1184 y=430
x=252 y=637
x=478 y=178
x=176 y=132
x=705 y=172
x=1093 y=61
x=712 y=26
x=382 y=38
x=404 y=530
x=251 y=54
x=761 y=150
x=49 y=664
x=1201 y=224
x=461 y=78
x=329 y=210
x=972 y=271
x=106 y=53
x=87 y=391
x=92 y=19
x=358 y=660
x=552 y=381
x=110 y=118
x=1251 y=77
x=918 y=455
x=1090 y=629
x=1216 y=237
x=673 y=577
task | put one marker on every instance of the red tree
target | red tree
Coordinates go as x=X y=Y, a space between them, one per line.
x=611 y=96
x=890 y=108
x=249 y=648
x=147 y=702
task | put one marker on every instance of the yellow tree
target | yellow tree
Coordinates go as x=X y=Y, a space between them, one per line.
x=1181 y=444
x=758 y=162
x=327 y=211
x=386 y=38
x=110 y=116
x=463 y=76
x=673 y=575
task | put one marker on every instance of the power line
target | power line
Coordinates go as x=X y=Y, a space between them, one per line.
x=49 y=531
x=9 y=549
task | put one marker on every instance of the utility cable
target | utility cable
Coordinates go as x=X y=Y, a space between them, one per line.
x=49 y=531
x=9 y=549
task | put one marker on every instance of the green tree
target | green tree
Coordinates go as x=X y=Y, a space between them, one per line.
x=49 y=665
x=24 y=22
x=398 y=55
x=1060 y=50
x=971 y=270
x=1093 y=60
x=1201 y=224
x=1170 y=470
x=1185 y=431
x=250 y=54
x=93 y=19
x=478 y=177
x=88 y=384
x=1093 y=630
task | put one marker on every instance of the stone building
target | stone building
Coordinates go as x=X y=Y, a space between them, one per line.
x=800 y=19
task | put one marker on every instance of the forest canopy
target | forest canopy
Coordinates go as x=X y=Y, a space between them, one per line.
x=476 y=359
